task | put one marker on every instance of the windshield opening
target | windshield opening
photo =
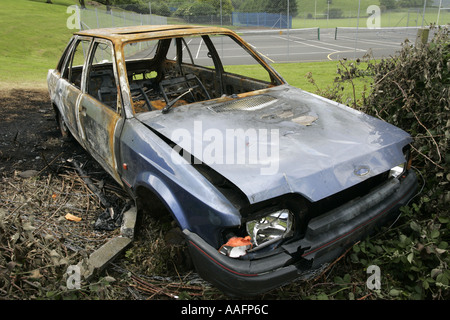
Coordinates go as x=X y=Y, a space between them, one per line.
x=168 y=73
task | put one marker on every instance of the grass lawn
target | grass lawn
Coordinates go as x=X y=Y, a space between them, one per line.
x=388 y=19
x=403 y=17
x=33 y=35
x=295 y=74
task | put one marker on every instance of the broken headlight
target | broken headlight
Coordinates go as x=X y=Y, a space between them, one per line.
x=398 y=171
x=271 y=228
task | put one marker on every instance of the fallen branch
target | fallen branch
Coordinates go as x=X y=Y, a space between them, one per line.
x=90 y=184
x=166 y=290
x=49 y=163
x=423 y=126
x=103 y=221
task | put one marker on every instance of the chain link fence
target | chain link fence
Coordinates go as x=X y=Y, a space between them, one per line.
x=359 y=23
x=108 y=17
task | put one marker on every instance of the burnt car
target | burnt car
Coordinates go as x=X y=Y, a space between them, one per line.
x=266 y=181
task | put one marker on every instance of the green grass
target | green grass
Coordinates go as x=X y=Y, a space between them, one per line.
x=308 y=6
x=388 y=19
x=402 y=17
x=295 y=74
x=33 y=35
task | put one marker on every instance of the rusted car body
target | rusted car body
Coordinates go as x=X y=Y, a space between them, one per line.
x=266 y=181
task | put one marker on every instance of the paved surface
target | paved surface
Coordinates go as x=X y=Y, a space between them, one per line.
x=300 y=45
x=296 y=46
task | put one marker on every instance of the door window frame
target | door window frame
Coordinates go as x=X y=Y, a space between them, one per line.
x=69 y=59
x=88 y=65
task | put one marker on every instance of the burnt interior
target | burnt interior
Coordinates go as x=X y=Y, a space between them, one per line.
x=162 y=80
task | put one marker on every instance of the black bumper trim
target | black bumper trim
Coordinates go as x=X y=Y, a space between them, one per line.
x=323 y=244
x=239 y=277
x=252 y=277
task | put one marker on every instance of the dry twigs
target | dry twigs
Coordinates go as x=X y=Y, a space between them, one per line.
x=168 y=289
x=37 y=242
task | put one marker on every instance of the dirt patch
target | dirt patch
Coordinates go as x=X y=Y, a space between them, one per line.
x=40 y=187
x=39 y=183
x=28 y=135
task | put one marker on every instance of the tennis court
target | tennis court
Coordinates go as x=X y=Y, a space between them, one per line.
x=287 y=45
x=308 y=45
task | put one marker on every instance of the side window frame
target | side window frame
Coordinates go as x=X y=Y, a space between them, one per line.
x=69 y=60
x=66 y=53
x=88 y=67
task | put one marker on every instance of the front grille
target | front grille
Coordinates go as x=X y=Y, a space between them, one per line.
x=340 y=198
x=245 y=104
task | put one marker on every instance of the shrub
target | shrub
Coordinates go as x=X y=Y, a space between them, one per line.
x=412 y=91
x=162 y=9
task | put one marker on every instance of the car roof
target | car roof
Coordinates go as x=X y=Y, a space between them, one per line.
x=126 y=34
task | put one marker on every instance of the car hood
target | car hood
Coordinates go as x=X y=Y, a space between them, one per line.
x=282 y=140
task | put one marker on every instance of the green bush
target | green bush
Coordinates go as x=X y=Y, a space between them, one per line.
x=161 y=8
x=412 y=91
x=334 y=13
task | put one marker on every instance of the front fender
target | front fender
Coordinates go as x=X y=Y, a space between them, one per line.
x=190 y=212
x=155 y=185
x=192 y=200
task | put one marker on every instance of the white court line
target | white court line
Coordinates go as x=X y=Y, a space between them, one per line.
x=199 y=46
x=307 y=44
x=175 y=58
x=254 y=47
x=393 y=45
x=330 y=44
x=301 y=53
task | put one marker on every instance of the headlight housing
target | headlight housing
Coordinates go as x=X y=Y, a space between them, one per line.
x=398 y=171
x=271 y=228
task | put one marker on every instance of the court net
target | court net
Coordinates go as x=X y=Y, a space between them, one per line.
x=393 y=34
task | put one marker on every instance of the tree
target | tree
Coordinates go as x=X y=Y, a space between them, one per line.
x=388 y=4
x=227 y=6
x=202 y=8
x=237 y=4
x=413 y=3
x=161 y=8
x=253 y=6
x=281 y=6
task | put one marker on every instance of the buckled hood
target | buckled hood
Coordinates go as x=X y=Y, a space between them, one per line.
x=282 y=140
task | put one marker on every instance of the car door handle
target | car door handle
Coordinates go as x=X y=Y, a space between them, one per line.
x=83 y=111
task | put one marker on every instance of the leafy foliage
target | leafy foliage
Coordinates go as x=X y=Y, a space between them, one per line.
x=204 y=8
x=411 y=91
x=278 y=6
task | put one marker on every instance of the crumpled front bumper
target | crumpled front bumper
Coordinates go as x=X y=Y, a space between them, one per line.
x=326 y=238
